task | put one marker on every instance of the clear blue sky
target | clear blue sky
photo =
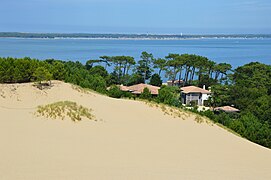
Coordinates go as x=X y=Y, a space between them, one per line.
x=136 y=16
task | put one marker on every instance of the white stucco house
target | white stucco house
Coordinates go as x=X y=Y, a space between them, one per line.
x=194 y=94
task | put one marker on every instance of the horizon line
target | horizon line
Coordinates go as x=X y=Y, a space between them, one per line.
x=123 y=33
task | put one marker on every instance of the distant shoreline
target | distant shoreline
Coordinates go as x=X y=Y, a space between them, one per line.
x=138 y=39
x=129 y=36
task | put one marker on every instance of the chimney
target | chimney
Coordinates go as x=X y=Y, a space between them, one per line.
x=204 y=87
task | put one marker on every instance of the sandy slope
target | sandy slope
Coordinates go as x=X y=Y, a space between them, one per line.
x=130 y=141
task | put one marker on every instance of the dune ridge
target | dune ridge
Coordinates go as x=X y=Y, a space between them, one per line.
x=130 y=140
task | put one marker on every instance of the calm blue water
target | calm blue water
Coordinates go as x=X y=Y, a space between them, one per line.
x=234 y=51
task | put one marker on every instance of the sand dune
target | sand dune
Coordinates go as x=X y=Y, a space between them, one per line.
x=130 y=140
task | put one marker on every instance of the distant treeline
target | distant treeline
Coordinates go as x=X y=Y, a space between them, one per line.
x=128 y=36
x=248 y=87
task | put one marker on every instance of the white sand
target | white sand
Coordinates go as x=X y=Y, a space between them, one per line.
x=130 y=141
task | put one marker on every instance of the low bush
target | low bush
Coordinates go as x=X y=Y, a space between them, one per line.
x=115 y=92
x=146 y=94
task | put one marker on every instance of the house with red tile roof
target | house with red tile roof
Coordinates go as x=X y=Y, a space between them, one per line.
x=138 y=89
x=194 y=94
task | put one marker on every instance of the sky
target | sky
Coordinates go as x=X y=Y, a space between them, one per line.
x=136 y=16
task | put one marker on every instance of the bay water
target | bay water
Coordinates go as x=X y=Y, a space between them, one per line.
x=234 y=51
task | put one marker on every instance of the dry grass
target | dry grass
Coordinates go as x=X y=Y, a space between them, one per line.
x=80 y=89
x=179 y=112
x=2 y=95
x=168 y=110
x=63 y=109
x=199 y=119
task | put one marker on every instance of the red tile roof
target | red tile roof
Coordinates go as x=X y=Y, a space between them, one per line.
x=226 y=109
x=121 y=87
x=124 y=88
x=138 y=88
x=194 y=89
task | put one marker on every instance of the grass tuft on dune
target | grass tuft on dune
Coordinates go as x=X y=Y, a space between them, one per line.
x=63 y=109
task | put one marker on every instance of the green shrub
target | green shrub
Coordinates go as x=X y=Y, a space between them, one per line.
x=127 y=95
x=169 y=95
x=146 y=94
x=115 y=92
x=97 y=83
x=208 y=113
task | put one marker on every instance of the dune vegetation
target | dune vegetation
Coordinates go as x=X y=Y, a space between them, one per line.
x=63 y=109
x=248 y=87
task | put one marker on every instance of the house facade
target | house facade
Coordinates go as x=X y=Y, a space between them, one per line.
x=193 y=94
